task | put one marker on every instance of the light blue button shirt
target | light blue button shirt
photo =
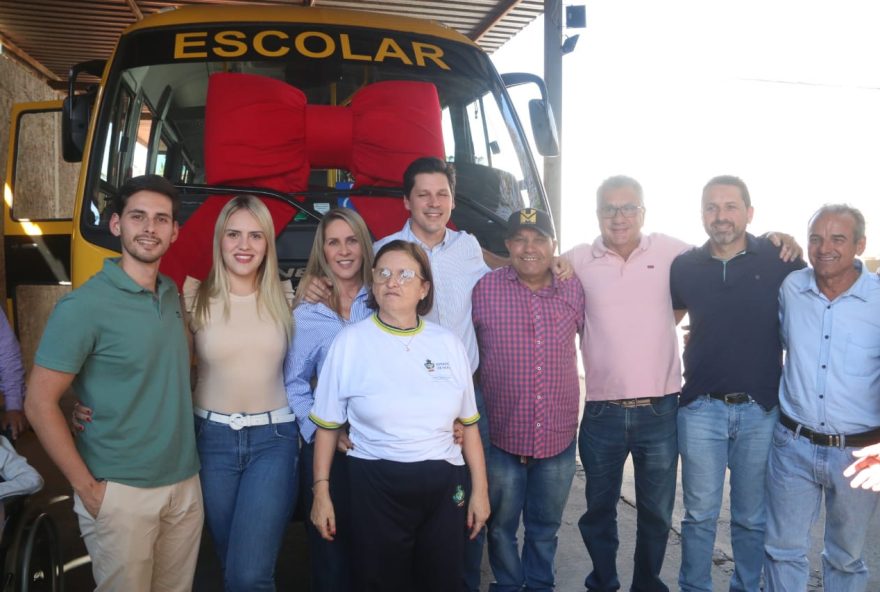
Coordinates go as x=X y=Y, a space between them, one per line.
x=316 y=325
x=831 y=379
x=457 y=265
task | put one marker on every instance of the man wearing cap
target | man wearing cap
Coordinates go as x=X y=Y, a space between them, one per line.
x=527 y=322
x=732 y=363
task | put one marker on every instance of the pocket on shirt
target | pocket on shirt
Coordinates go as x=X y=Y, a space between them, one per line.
x=860 y=359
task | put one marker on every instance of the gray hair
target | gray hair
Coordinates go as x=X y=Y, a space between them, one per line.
x=618 y=182
x=841 y=210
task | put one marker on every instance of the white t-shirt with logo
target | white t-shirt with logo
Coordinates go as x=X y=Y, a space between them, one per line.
x=400 y=391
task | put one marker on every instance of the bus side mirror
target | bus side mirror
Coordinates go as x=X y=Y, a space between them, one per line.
x=544 y=127
x=76 y=111
x=540 y=113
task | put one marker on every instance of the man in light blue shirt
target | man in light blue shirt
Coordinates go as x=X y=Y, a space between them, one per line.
x=829 y=406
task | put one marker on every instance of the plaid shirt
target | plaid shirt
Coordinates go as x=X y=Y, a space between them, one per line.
x=528 y=369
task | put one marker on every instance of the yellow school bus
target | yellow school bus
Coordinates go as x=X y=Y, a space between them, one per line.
x=148 y=109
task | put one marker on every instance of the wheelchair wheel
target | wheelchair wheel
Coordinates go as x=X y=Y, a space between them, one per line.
x=39 y=566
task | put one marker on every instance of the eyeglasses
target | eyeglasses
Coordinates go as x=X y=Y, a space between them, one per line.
x=383 y=275
x=628 y=211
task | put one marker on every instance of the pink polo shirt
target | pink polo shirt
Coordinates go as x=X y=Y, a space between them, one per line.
x=630 y=348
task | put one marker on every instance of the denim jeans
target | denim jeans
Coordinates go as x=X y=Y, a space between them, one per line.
x=536 y=490
x=473 y=549
x=249 y=480
x=330 y=561
x=712 y=436
x=608 y=434
x=798 y=473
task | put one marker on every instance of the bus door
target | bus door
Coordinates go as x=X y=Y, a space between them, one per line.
x=38 y=204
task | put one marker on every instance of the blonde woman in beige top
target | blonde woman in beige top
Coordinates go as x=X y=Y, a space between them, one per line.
x=247 y=437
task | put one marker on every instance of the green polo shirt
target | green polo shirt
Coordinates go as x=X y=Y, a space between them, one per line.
x=128 y=350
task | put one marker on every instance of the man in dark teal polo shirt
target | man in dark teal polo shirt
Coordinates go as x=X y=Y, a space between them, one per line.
x=732 y=363
x=119 y=342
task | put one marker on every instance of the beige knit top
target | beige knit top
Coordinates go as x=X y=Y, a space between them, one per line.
x=240 y=359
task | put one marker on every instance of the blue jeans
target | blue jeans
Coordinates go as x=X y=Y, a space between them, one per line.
x=249 y=480
x=712 y=436
x=608 y=434
x=473 y=549
x=798 y=473
x=537 y=490
x=330 y=561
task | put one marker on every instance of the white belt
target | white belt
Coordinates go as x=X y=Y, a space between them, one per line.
x=236 y=421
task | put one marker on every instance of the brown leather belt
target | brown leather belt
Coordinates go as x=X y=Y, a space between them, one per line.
x=628 y=403
x=858 y=440
x=731 y=398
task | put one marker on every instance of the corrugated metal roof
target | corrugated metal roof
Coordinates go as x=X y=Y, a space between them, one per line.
x=52 y=35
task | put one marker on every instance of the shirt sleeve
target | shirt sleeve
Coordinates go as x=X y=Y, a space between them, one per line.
x=675 y=285
x=581 y=303
x=70 y=336
x=782 y=316
x=190 y=290
x=477 y=305
x=300 y=367
x=468 y=415
x=11 y=368
x=19 y=477
x=330 y=408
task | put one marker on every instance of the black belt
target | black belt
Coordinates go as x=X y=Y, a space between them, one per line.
x=858 y=440
x=731 y=398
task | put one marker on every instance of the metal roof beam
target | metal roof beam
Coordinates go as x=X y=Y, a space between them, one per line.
x=504 y=8
x=133 y=5
x=10 y=47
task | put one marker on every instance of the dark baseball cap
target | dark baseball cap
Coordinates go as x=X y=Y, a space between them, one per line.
x=531 y=218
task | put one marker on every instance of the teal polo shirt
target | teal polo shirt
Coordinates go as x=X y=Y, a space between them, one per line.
x=128 y=350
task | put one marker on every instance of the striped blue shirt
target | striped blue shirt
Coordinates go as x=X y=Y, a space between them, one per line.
x=316 y=327
x=457 y=265
x=831 y=378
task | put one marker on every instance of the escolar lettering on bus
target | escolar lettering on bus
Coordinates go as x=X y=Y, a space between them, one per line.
x=311 y=44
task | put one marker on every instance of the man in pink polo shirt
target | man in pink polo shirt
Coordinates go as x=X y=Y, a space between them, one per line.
x=633 y=376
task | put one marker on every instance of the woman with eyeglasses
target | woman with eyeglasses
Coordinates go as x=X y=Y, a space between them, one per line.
x=343 y=254
x=400 y=383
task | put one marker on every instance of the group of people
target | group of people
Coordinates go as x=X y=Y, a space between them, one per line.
x=787 y=434
x=418 y=395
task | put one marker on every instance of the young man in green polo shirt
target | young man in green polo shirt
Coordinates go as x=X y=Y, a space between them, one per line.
x=119 y=342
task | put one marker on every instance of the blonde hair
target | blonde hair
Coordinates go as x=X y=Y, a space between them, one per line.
x=270 y=296
x=319 y=268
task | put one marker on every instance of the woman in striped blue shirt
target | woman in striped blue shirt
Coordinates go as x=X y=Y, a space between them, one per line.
x=343 y=254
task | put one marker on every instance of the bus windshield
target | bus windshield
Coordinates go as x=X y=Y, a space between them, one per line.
x=152 y=117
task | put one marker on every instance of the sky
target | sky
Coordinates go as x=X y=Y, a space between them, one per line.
x=784 y=94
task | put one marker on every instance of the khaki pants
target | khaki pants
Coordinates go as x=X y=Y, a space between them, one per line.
x=144 y=539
